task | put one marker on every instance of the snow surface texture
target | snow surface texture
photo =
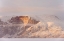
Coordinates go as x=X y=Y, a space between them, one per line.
x=41 y=27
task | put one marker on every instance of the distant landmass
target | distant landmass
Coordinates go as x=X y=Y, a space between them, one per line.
x=31 y=27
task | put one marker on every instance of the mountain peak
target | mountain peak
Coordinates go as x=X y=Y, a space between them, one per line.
x=23 y=19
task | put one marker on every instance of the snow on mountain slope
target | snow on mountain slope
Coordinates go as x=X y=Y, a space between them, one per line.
x=40 y=27
x=41 y=30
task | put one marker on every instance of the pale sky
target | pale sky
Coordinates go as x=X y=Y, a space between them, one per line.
x=29 y=7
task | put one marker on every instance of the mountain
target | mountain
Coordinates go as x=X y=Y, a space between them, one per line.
x=35 y=27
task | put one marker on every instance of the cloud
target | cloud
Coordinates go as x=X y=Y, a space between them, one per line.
x=31 y=6
x=27 y=9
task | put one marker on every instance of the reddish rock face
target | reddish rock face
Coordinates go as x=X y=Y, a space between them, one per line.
x=23 y=19
x=28 y=20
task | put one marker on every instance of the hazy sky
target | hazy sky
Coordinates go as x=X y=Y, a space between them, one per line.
x=37 y=7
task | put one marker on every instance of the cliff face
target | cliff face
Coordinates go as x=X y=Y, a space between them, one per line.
x=15 y=28
x=23 y=19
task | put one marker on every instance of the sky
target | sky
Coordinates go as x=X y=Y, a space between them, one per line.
x=31 y=7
